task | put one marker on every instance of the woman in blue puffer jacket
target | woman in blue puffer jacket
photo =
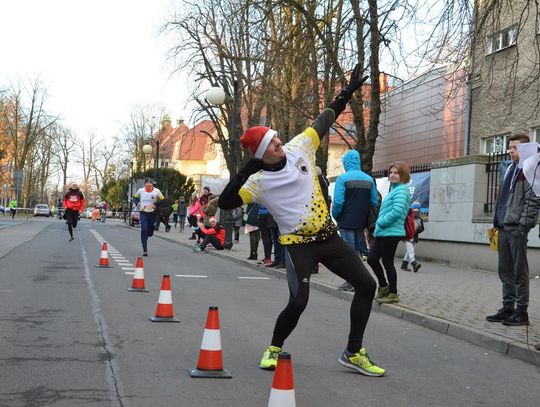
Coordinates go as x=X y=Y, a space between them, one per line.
x=389 y=230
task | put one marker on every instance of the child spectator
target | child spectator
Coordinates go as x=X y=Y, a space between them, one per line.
x=409 y=244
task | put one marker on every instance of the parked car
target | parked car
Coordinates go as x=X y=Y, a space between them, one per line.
x=88 y=213
x=42 y=210
x=2 y=209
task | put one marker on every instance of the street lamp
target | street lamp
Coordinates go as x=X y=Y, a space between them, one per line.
x=130 y=195
x=216 y=96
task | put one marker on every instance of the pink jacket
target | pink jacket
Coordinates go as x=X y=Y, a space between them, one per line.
x=195 y=209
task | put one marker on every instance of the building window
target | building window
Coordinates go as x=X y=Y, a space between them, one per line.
x=503 y=39
x=495 y=144
x=535 y=134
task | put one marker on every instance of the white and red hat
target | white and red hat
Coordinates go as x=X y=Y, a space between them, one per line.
x=256 y=139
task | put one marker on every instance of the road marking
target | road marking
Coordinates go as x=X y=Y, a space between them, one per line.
x=129 y=273
x=189 y=276
x=253 y=278
x=128 y=268
x=6 y=291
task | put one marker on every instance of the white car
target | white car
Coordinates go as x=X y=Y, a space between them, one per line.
x=42 y=210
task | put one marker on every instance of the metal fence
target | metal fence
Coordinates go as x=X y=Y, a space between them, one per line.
x=414 y=169
x=493 y=179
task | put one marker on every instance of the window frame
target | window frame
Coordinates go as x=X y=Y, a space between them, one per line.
x=485 y=141
x=510 y=33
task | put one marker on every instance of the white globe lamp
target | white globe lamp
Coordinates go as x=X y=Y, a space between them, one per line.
x=216 y=96
x=147 y=149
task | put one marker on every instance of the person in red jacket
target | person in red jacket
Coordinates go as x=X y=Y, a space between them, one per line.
x=215 y=235
x=73 y=205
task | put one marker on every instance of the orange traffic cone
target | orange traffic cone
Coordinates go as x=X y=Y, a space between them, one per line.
x=210 y=362
x=138 y=278
x=282 y=394
x=164 y=311
x=104 y=258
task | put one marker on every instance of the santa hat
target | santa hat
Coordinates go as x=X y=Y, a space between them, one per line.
x=256 y=139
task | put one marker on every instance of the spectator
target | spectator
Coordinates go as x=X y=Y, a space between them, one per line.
x=194 y=211
x=409 y=244
x=13 y=207
x=354 y=192
x=182 y=211
x=175 y=213
x=237 y=218
x=279 y=250
x=516 y=213
x=96 y=213
x=252 y=228
x=205 y=197
x=389 y=230
x=214 y=235
x=164 y=210
x=266 y=235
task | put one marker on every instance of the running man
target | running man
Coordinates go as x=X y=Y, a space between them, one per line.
x=147 y=197
x=73 y=205
x=284 y=179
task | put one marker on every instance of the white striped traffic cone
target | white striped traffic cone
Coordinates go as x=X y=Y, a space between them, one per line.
x=282 y=393
x=104 y=258
x=137 y=283
x=164 y=311
x=210 y=362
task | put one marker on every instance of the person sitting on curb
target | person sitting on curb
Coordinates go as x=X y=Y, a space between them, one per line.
x=215 y=235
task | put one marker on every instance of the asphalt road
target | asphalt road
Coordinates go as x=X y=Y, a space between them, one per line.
x=72 y=335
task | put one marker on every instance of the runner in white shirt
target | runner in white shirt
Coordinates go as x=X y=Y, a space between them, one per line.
x=146 y=198
x=284 y=179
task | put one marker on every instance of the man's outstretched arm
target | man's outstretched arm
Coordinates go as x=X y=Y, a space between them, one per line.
x=329 y=115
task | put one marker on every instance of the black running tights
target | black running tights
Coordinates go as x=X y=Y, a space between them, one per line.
x=342 y=260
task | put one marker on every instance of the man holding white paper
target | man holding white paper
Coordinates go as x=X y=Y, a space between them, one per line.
x=516 y=213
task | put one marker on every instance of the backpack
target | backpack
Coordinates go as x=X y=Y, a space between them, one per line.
x=409 y=225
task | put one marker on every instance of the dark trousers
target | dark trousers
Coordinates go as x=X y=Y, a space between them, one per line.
x=236 y=233
x=340 y=259
x=213 y=240
x=72 y=217
x=514 y=269
x=266 y=236
x=148 y=221
x=13 y=211
x=279 y=250
x=254 y=243
x=384 y=248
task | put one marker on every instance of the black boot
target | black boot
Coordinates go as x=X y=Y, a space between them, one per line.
x=415 y=266
x=518 y=317
x=252 y=256
x=405 y=266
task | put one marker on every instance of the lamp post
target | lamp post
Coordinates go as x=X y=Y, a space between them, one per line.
x=130 y=195
x=216 y=96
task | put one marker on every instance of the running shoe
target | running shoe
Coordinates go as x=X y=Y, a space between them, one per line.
x=382 y=292
x=361 y=363
x=269 y=359
x=391 y=298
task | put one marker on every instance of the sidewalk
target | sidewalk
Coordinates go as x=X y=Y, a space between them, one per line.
x=448 y=300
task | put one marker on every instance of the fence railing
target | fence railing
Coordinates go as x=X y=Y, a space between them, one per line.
x=414 y=169
x=493 y=180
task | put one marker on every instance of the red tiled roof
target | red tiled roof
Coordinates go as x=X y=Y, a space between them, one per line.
x=194 y=141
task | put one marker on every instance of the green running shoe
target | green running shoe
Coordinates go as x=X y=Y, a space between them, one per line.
x=391 y=298
x=361 y=363
x=269 y=359
x=382 y=292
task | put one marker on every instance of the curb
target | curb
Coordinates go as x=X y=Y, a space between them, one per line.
x=495 y=343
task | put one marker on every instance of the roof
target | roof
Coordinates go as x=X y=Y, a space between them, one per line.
x=194 y=141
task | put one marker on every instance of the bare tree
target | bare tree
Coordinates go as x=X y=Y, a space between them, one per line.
x=88 y=155
x=65 y=145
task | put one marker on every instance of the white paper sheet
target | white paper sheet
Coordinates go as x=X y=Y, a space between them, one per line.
x=525 y=151
x=531 y=169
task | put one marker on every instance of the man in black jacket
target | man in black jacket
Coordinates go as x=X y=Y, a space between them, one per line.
x=284 y=179
x=516 y=213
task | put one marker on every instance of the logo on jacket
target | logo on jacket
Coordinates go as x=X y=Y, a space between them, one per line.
x=302 y=166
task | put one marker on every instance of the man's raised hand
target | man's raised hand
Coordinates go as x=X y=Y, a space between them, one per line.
x=356 y=80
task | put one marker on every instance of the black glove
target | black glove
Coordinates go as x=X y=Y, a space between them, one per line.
x=252 y=166
x=356 y=81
